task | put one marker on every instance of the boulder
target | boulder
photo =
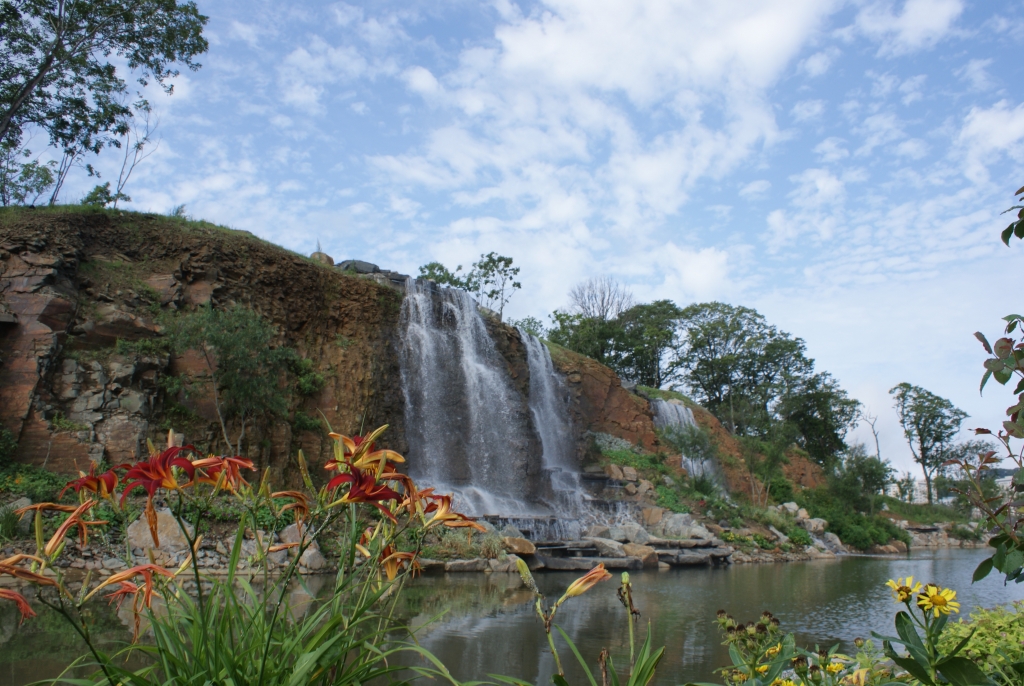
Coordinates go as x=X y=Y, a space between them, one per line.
x=782 y=538
x=172 y=540
x=635 y=533
x=791 y=508
x=518 y=545
x=26 y=523
x=478 y=564
x=651 y=515
x=509 y=530
x=833 y=542
x=613 y=471
x=358 y=266
x=312 y=559
x=290 y=534
x=606 y=547
x=900 y=546
x=646 y=487
x=648 y=555
x=802 y=514
x=816 y=554
x=676 y=526
x=631 y=488
x=815 y=527
x=597 y=531
x=629 y=474
x=506 y=565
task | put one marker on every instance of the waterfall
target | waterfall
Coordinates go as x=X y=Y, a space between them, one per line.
x=550 y=410
x=674 y=415
x=468 y=429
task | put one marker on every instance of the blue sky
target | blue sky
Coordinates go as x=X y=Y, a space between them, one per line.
x=840 y=166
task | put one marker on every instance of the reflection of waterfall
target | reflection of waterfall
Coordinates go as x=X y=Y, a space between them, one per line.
x=675 y=417
x=466 y=428
x=549 y=408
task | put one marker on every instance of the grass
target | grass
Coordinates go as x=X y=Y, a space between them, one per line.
x=662 y=394
x=923 y=513
x=39 y=484
x=61 y=424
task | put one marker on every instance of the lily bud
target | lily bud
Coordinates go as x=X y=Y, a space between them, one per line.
x=524 y=572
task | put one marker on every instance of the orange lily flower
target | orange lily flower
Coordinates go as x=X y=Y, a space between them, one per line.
x=443 y=514
x=126 y=589
x=75 y=519
x=158 y=472
x=359 y=451
x=392 y=561
x=22 y=573
x=19 y=600
x=232 y=467
x=299 y=506
x=586 y=582
x=146 y=571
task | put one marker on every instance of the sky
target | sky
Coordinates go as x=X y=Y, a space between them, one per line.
x=839 y=166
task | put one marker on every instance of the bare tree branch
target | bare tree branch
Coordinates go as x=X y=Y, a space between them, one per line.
x=600 y=297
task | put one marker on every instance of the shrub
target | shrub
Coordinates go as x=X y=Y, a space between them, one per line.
x=799 y=536
x=305 y=422
x=8 y=446
x=853 y=528
x=38 y=484
x=8 y=523
x=669 y=499
x=998 y=639
x=308 y=381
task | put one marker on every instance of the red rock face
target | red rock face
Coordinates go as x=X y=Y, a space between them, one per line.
x=601 y=404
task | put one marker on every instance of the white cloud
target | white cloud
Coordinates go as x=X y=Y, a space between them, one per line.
x=879 y=129
x=975 y=73
x=987 y=134
x=911 y=88
x=819 y=63
x=755 y=189
x=921 y=24
x=914 y=148
x=306 y=71
x=831 y=149
x=808 y=109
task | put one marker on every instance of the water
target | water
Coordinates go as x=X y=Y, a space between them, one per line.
x=549 y=406
x=823 y=602
x=675 y=415
x=469 y=430
x=491 y=628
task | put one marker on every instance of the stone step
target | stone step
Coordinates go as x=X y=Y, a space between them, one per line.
x=585 y=564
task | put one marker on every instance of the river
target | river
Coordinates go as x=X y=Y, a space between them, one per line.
x=489 y=625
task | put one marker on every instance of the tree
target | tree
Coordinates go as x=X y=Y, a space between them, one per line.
x=441 y=275
x=588 y=336
x=22 y=183
x=56 y=72
x=601 y=298
x=860 y=477
x=494 y=279
x=823 y=414
x=530 y=325
x=644 y=340
x=930 y=423
x=245 y=369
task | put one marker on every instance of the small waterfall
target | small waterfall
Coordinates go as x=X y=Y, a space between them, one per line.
x=468 y=430
x=549 y=405
x=674 y=415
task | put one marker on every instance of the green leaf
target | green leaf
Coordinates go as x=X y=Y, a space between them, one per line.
x=1013 y=561
x=984 y=341
x=915 y=670
x=1005 y=235
x=982 y=571
x=962 y=672
x=559 y=680
x=984 y=380
x=1018 y=230
x=960 y=645
x=579 y=658
x=911 y=639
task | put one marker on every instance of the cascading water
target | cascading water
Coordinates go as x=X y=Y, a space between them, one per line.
x=467 y=429
x=550 y=411
x=675 y=415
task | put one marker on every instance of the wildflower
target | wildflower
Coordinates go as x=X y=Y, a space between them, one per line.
x=158 y=472
x=779 y=681
x=835 y=667
x=299 y=505
x=392 y=561
x=586 y=582
x=364 y=489
x=762 y=669
x=145 y=571
x=19 y=600
x=901 y=592
x=441 y=506
x=231 y=467
x=938 y=600
x=102 y=485
x=773 y=652
x=74 y=519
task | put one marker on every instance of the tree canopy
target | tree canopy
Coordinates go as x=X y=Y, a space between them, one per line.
x=930 y=424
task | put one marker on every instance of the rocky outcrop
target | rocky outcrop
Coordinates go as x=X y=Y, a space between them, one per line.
x=74 y=283
x=599 y=402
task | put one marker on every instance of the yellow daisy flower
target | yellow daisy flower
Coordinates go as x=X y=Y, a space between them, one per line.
x=783 y=682
x=902 y=592
x=773 y=651
x=835 y=668
x=938 y=600
x=762 y=669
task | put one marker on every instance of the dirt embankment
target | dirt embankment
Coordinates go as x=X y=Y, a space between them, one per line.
x=73 y=283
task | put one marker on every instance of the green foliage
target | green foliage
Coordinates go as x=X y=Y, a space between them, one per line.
x=860 y=479
x=442 y=276
x=798 y=535
x=492 y=278
x=852 y=527
x=647 y=462
x=244 y=366
x=143 y=347
x=61 y=423
x=922 y=513
x=930 y=424
x=645 y=341
x=670 y=499
x=587 y=336
x=41 y=485
x=304 y=422
x=8 y=523
x=995 y=640
x=22 y=182
x=308 y=381
x=8 y=446
x=530 y=325
x=56 y=72
x=100 y=196
x=1016 y=228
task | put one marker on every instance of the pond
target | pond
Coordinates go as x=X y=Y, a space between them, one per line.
x=489 y=625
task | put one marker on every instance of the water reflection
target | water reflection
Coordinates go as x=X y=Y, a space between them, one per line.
x=489 y=626
x=823 y=602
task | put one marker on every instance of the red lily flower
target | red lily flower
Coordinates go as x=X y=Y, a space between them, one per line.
x=358 y=451
x=19 y=600
x=364 y=489
x=146 y=571
x=158 y=472
x=232 y=467
x=102 y=485
x=75 y=519
x=299 y=505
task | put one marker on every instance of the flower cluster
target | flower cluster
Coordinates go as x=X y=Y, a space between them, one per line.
x=930 y=597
